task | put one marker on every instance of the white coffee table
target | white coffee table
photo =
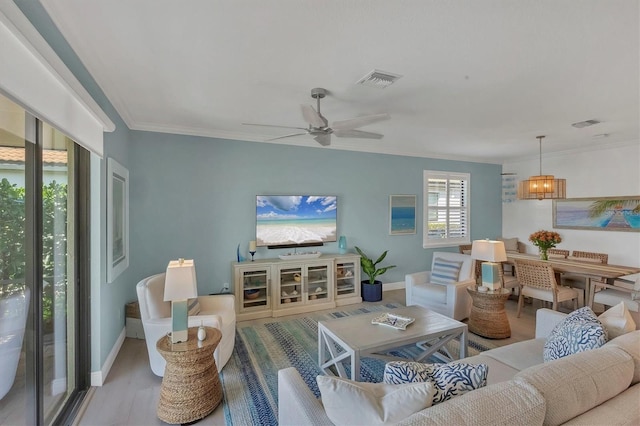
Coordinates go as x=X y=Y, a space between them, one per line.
x=351 y=338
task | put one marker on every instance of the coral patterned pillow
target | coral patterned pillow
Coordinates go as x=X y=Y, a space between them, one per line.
x=449 y=379
x=579 y=331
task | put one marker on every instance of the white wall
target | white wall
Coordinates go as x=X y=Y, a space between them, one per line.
x=596 y=173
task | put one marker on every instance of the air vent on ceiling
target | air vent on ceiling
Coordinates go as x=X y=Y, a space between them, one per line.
x=587 y=123
x=379 y=79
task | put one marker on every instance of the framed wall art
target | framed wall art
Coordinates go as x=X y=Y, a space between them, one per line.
x=599 y=214
x=402 y=214
x=117 y=219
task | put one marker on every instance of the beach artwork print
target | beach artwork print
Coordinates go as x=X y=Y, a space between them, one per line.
x=295 y=219
x=402 y=214
x=602 y=214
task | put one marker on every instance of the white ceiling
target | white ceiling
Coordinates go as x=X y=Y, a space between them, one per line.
x=481 y=78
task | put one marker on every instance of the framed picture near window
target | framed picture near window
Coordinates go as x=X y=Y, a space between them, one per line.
x=117 y=219
x=402 y=214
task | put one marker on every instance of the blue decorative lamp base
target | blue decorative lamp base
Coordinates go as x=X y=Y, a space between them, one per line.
x=179 y=321
x=491 y=275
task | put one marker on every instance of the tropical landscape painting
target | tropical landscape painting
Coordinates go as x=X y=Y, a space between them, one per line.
x=602 y=214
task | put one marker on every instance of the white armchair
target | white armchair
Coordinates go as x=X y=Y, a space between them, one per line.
x=449 y=299
x=215 y=311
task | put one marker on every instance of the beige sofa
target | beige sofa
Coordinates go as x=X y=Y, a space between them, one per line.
x=601 y=386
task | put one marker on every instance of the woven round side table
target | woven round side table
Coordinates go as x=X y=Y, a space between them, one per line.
x=191 y=387
x=488 y=317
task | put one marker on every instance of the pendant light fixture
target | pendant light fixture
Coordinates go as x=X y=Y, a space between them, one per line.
x=542 y=187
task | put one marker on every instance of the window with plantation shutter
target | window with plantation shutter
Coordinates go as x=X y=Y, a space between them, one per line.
x=446 y=209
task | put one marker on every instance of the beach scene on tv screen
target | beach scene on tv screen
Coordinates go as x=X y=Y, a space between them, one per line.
x=295 y=219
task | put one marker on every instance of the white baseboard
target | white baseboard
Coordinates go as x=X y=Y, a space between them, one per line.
x=393 y=286
x=98 y=377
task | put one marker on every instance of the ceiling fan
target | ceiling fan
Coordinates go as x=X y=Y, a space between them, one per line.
x=319 y=125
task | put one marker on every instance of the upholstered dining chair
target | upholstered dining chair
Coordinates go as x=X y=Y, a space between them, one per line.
x=537 y=280
x=215 y=311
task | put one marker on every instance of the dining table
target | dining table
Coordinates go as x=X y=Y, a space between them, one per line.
x=588 y=269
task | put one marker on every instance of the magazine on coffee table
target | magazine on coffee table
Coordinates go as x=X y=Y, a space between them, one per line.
x=392 y=320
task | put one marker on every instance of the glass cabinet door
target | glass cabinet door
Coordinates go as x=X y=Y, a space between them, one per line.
x=318 y=283
x=345 y=279
x=255 y=289
x=291 y=286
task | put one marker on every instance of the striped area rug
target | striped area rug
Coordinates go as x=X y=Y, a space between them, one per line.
x=250 y=378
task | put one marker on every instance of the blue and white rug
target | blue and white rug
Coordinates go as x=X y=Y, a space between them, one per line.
x=250 y=378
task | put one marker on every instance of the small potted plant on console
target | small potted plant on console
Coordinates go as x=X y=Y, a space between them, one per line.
x=372 y=289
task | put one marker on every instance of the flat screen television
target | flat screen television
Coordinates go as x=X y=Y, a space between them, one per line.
x=284 y=221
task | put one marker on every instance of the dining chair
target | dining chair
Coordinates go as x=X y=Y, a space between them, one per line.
x=537 y=280
x=624 y=289
x=555 y=253
x=589 y=256
x=580 y=281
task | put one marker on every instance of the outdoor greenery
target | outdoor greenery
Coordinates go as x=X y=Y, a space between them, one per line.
x=54 y=244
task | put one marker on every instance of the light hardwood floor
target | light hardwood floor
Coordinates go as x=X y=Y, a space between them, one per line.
x=131 y=391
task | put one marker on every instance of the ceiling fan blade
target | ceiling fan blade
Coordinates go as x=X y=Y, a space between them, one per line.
x=324 y=140
x=273 y=125
x=312 y=117
x=354 y=123
x=357 y=134
x=287 y=136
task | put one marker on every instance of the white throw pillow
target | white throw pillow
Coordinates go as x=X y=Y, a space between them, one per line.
x=360 y=403
x=617 y=320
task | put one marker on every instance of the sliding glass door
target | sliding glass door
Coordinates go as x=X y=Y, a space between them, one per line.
x=44 y=291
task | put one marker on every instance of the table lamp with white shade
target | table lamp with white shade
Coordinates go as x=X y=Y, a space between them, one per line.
x=491 y=252
x=180 y=285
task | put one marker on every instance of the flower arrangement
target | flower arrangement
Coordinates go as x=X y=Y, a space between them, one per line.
x=545 y=240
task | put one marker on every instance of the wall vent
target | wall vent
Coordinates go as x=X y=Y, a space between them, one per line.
x=587 y=123
x=379 y=79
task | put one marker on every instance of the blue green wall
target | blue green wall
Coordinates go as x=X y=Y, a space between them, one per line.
x=194 y=197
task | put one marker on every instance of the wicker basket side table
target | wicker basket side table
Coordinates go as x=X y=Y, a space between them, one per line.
x=191 y=388
x=488 y=317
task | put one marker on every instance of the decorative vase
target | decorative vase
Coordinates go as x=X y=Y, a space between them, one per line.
x=342 y=244
x=371 y=292
x=543 y=254
x=202 y=333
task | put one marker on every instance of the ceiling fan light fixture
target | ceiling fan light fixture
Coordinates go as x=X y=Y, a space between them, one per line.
x=379 y=79
x=542 y=187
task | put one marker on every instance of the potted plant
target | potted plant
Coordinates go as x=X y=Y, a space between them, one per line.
x=371 y=288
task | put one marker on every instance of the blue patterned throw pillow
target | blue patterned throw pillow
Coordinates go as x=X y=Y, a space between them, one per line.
x=445 y=271
x=579 y=331
x=449 y=379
